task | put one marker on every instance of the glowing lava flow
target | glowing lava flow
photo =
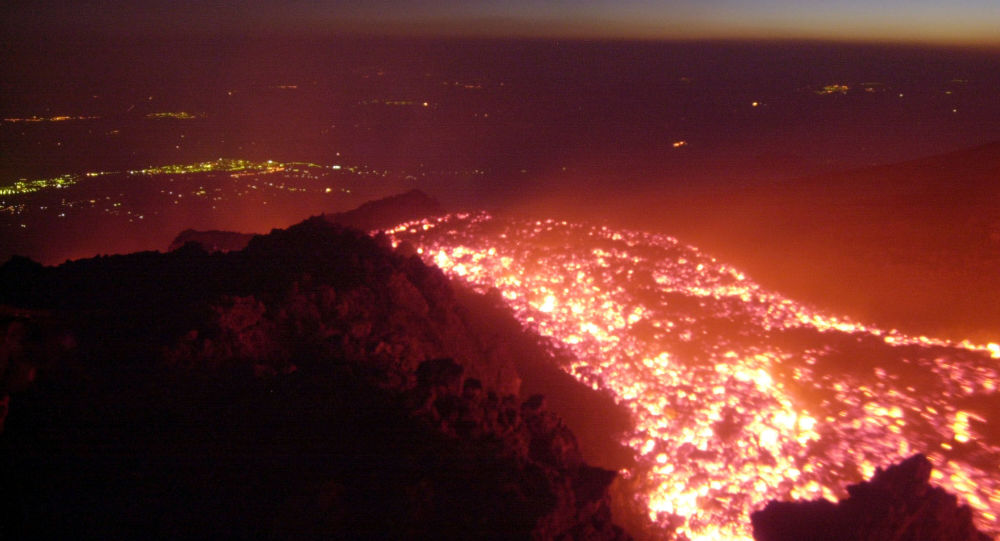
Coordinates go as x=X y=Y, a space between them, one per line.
x=739 y=395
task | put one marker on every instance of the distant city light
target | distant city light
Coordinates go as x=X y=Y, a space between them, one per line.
x=60 y=118
x=834 y=89
x=176 y=115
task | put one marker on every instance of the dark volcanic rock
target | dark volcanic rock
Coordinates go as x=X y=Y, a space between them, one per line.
x=315 y=384
x=568 y=498
x=896 y=504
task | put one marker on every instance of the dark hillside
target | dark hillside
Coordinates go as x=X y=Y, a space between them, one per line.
x=370 y=216
x=314 y=384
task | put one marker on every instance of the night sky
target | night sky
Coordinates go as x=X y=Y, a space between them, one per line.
x=963 y=22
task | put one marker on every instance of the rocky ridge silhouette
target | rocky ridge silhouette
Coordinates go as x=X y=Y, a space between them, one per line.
x=897 y=503
x=316 y=383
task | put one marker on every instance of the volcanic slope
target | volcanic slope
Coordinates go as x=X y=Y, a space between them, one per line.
x=739 y=395
x=912 y=245
x=315 y=384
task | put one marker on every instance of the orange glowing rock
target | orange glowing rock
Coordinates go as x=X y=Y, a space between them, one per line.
x=727 y=381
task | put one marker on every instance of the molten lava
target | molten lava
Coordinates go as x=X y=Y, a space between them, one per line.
x=738 y=395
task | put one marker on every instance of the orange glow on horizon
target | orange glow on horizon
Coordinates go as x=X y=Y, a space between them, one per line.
x=924 y=29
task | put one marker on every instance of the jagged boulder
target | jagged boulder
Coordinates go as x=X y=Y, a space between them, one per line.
x=898 y=503
x=569 y=499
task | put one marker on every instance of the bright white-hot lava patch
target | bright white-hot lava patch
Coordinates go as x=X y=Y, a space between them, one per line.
x=738 y=395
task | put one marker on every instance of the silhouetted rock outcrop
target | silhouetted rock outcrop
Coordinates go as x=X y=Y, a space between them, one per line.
x=315 y=384
x=897 y=503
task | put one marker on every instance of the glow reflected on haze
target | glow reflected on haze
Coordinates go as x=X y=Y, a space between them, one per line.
x=738 y=394
x=926 y=21
x=968 y=22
